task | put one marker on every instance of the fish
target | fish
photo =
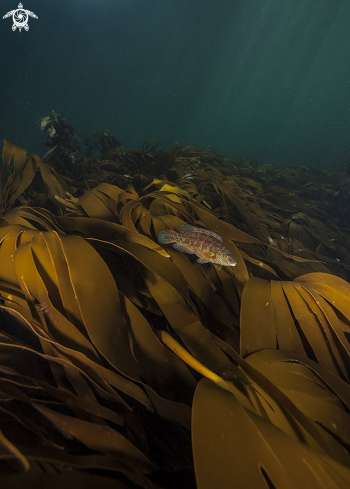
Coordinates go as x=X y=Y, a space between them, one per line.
x=207 y=245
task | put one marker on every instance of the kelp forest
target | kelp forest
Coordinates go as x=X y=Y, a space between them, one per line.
x=126 y=363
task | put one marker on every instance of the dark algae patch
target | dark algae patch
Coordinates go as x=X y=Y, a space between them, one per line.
x=127 y=363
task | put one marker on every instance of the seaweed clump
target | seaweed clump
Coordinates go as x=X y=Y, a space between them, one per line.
x=130 y=365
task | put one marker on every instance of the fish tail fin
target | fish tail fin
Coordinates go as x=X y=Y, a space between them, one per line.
x=166 y=236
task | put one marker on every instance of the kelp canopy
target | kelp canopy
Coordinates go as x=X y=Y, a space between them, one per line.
x=131 y=365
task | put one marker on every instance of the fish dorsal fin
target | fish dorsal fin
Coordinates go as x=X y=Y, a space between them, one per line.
x=187 y=228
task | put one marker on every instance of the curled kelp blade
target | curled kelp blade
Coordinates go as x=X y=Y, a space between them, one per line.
x=17 y=181
x=200 y=215
x=37 y=218
x=314 y=390
x=179 y=271
x=21 y=175
x=169 y=290
x=138 y=213
x=154 y=262
x=101 y=202
x=260 y=395
x=150 y=213
x=305 y=317
x=230 y=443
x=85 y=311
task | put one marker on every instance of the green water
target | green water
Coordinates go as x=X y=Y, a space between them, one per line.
x=269 y=80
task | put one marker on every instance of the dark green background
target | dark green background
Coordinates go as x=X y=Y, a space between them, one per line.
x=265 y=79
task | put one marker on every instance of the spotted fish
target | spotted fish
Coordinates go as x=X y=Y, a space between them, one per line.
x=206 y=244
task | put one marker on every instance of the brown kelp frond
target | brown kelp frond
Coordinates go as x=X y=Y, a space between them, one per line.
x=27 y=179
x=291 y=393
x=74 y=308
x=309 y=316
x=250 y=450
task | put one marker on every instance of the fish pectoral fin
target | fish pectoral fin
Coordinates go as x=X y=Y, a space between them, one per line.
x=200 y=260
x=180 y=247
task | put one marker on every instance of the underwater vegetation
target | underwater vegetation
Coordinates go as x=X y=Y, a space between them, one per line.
x=127 y=363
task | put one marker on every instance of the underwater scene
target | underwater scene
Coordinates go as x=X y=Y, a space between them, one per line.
x=175 y=244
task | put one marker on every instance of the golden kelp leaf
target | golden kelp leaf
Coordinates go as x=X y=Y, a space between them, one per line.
x=295 y=317
x=231 y=445
x=317 y=373
x=35 y=253
x=22 y=175
x=54 y=184
x=97 y=205
x=107 y=232
x=85 y=311
x=201 y=288
x=149 y=352
x=258 y=263
x=130 y=214
x=333 y=289
x=104 y=317
x=318 y=394
x=85 y=299
x=38 y=218
x=102 y=201
x=8 y=248
x=144 y=213
x=185 y=322
x=272 y=404
x=257 y=317
x=97 y=301
x=266 y=320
